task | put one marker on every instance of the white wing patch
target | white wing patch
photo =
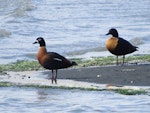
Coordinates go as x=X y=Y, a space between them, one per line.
x=57 y=59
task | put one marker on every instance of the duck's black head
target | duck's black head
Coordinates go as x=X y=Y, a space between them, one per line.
x=113 y=32
x=40 y=41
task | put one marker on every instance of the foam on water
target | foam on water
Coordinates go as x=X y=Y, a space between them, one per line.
x=4 y=33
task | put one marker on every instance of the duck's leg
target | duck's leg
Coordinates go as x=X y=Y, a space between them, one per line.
x=55 y=77
x=116 y=60
x=52 y=76
x=123 y=59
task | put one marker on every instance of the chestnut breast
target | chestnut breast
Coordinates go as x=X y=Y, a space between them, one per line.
x=42 y=55
x=112 y=43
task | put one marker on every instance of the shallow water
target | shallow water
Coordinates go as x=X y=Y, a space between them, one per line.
x=69 y=25
x=38 y=100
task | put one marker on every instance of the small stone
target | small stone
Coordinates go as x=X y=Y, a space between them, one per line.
x=99 y=76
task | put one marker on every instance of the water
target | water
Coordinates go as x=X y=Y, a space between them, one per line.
x=69 y=25
x=37 y=100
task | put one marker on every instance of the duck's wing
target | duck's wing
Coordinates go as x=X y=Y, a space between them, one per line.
x=57 y=61
x=125 y=46
x=56 y=56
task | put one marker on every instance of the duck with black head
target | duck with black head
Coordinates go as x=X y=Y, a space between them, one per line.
x=51 y=60
x=119 y=46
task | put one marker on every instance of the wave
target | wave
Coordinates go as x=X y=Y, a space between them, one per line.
x=16 y=7
x=136 y=41
x=4 y=33
x=22 y=7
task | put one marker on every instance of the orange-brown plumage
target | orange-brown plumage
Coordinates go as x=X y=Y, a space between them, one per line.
x=119 y=46
x=111 y=43
x=42 y=54
x=51 y=60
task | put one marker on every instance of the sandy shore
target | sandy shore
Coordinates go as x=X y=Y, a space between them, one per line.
x=104 y=77
x=134 y=75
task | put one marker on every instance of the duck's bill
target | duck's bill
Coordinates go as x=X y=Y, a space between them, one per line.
x=107 y=33
x=35 y=42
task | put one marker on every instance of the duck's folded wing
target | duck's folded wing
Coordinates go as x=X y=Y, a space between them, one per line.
x=58 y=60
x=56 y=56
x=126 y=46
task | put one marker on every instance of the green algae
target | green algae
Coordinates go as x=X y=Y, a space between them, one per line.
x=120 y=91
x=27 y=65
x=130 y=91
x=111 y=60
x=6 y=84
x=24 y=65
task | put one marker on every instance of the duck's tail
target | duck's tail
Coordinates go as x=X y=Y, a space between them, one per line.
x=74 y=63
x=136 y=48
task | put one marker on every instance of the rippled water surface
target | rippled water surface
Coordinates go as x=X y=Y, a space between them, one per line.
x=69 y=25
x=37 y=100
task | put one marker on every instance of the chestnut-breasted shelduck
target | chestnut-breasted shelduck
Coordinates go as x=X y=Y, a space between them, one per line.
x=51 y=60
x=119 y=46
